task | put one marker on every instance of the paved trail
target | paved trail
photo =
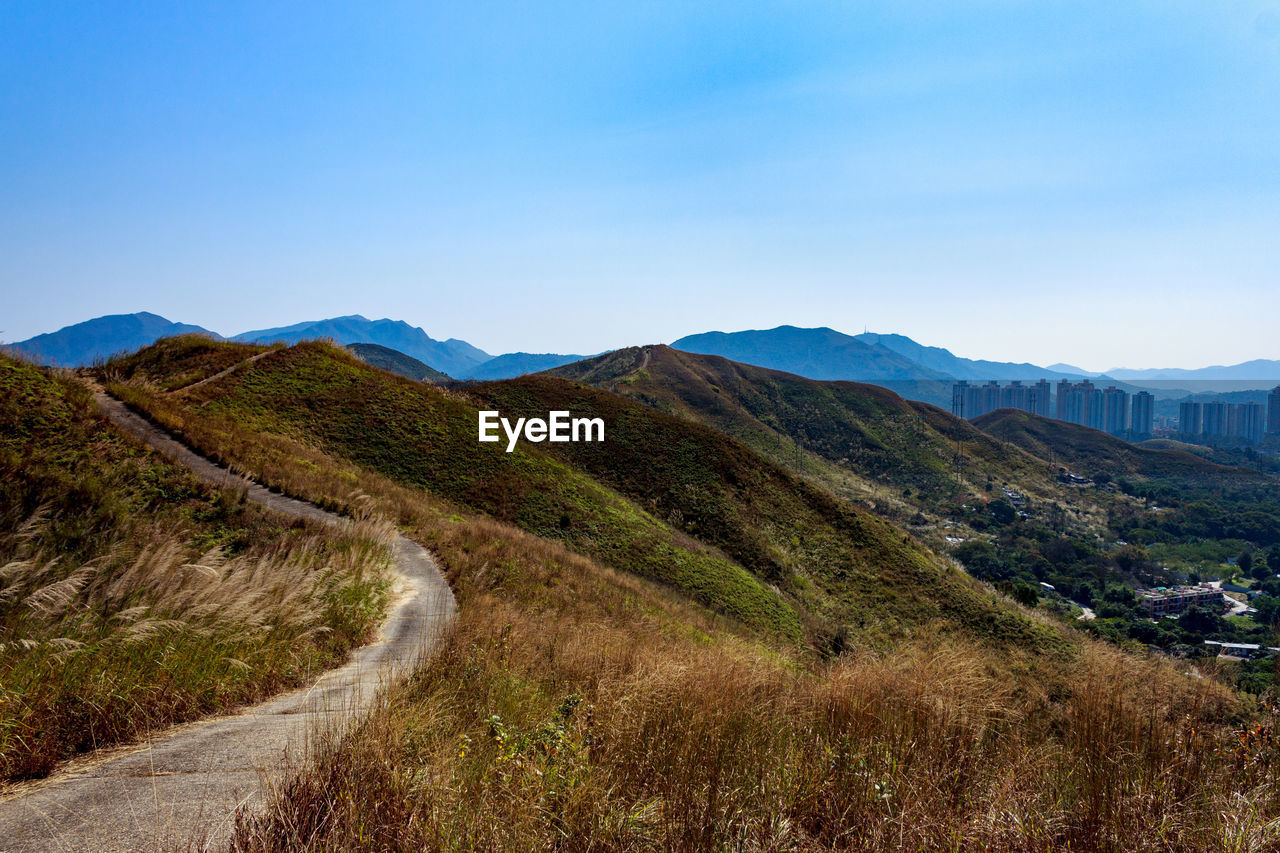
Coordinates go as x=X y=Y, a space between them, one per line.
x=188 y=782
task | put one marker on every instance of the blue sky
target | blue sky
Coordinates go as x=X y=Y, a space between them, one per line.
x=1097 y=183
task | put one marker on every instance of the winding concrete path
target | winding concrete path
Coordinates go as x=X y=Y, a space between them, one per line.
x=186 y=784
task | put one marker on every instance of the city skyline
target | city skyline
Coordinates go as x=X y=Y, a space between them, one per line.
x=578 y=177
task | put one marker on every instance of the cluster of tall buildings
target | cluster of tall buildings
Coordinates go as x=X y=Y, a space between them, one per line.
x=971 y=401
x=1219 y=421
x=1117 y=412
x=1109 y=409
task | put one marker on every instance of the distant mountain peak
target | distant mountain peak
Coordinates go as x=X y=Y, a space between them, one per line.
x=83 y=343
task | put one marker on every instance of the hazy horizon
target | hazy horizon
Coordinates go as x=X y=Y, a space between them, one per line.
x=1092 y=183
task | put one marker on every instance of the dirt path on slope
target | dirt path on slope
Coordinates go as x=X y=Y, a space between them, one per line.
x=221 y=373
x=187 y=783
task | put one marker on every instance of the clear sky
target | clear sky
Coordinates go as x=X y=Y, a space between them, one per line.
x=1090 y=182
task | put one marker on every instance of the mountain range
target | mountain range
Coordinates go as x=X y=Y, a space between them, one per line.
x=912 y=369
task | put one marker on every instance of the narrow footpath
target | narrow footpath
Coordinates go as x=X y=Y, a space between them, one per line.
x=184 y=785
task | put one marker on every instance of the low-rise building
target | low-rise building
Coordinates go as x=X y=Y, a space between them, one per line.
x=1240 y=651
x=1170 y=601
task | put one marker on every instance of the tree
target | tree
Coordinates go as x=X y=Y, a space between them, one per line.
x=1268 y=607
x=981 y=560
x=1114 y=610
x=1002 y=511
x=1144 y=631
x=1025 y=594
x=1200 y=620
x=1130 y=558
x=1119 y=594
x=1245 y=563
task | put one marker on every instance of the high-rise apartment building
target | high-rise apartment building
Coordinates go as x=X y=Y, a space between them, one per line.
x=1038 y=398
x=958 y=394
x=1115 y=411
x=1222 y=422
x=1060 y=407
x=1142 y=420
x=1273 y=411
x=1213 y=419
x=1190 y=419
x=1247 y=421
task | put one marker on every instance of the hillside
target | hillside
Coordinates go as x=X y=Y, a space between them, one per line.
x=454 y=357
x=94 y=340
x=827 y=430
x=814 y=353
x=585 y=682
x=397 y=362
x=1087 y=451
x=133 y=597
x=663 y=498
x=573 y=696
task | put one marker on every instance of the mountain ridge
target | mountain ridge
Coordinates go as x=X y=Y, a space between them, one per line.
x=821 y=353
x=453 y=356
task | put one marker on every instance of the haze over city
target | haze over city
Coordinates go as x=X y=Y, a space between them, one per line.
x=1080 y=182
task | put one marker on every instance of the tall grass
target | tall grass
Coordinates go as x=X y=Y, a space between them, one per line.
x=147 y=635
x=576 y=708
x=133 y=597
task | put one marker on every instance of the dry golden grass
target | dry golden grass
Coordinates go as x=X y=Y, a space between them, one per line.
x=133 y=597
x=575 y=708
x=144 y=636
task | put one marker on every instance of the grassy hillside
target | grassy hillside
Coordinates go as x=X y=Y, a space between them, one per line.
x=664 y=498
x=177 y=362
x=578 y=706
x=852 y=437
x=425 y=438
x=1087 y=451
x=397 y=362
x=133 y=597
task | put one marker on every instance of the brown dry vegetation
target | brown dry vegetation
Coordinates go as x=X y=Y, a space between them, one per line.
x=132 y=597
x=578 y=707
